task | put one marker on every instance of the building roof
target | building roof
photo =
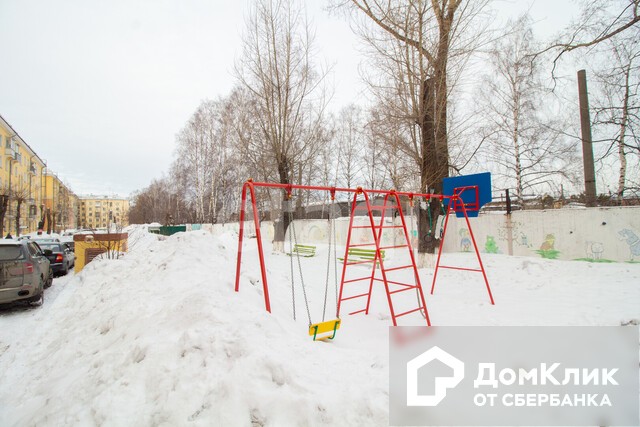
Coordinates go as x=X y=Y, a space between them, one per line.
x=15 y=133
x=101 y=197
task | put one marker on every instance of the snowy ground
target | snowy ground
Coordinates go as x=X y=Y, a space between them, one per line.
x=161 y=338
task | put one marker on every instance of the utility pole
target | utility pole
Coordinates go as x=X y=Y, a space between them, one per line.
x=587 y=146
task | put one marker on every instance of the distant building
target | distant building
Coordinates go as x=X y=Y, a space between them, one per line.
x=61 y=205
x=22 y=174
x=103 y=211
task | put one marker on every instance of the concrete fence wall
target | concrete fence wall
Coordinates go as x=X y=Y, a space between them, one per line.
x=609 y=234
x=590 y=234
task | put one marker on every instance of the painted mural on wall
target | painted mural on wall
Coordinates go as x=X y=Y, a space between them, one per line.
x=519 y=237
x=594 y=252
x=490 y=246
x=547 y=248
x=523 y=240
x=633 y=241
x=465 y=240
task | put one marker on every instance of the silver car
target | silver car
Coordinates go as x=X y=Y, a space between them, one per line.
x=24 y=272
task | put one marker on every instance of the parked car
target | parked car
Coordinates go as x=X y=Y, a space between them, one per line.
x=62 y=258
x=44 y=239
x=25 y=272
x=68 y=240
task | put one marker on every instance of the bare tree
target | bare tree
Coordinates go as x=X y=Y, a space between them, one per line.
x=205 y=160
x=278 y=71
x=19 y=194
x=599 y=21
x=524 y=147
x=415 y=43
x=617 y=108
x=193 y=163
x=5 y=198
x=386 y=138
x=157 y=202
x=351 y=143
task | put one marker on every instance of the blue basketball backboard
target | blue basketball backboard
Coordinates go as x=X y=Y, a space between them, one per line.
x=474 y=190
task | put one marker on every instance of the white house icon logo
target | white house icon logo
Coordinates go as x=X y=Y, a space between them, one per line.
x=442 y=383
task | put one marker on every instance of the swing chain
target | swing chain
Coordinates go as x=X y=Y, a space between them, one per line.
x=304 y=291
x=335 y=263
x=331 y=230
x=293 y=289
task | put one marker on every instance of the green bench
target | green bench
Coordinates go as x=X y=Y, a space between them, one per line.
x=360 y=254
x=303 y=250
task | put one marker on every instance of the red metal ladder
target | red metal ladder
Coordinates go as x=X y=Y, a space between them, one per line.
x=392 y=287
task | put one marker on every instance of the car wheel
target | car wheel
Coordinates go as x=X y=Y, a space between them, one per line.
x=65 y=271
x=38 y=302
x=49 y=280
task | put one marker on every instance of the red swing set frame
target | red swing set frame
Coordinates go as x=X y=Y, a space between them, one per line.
x=455 y=202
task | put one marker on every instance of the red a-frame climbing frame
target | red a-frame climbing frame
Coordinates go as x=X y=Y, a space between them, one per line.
x=392 y=287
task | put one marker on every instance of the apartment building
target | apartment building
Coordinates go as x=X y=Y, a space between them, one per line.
x=21 y=183
x=103 y=211
x=61 y=205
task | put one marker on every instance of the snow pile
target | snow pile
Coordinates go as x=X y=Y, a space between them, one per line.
x=139 y=237
x=159 y=337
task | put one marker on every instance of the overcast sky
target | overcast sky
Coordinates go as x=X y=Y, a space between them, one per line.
x=99 y=89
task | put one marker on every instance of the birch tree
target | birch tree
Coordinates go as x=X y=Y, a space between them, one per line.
x=617 y=109
x=193 y=161
x=525 y=148
x=278 y=71
x=351 y=143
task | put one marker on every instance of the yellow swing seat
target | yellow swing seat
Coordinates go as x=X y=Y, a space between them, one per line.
x=323 y=328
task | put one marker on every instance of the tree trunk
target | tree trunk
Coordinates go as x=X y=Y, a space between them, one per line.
x=4 y=204
x=623 y=130
x=48 y=221
x=516 y=150
x=42 y=218
x=282 y=225
x=18 y=206
x=428 y=217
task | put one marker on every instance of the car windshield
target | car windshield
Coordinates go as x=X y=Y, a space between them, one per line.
x=54 y=247
x=10 y=253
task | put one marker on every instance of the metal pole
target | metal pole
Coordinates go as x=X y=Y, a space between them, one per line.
x=587 y=146
x=475 y=247
x=346 y=252
x=241 y=234
x=509 y=224
x=263 y=269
